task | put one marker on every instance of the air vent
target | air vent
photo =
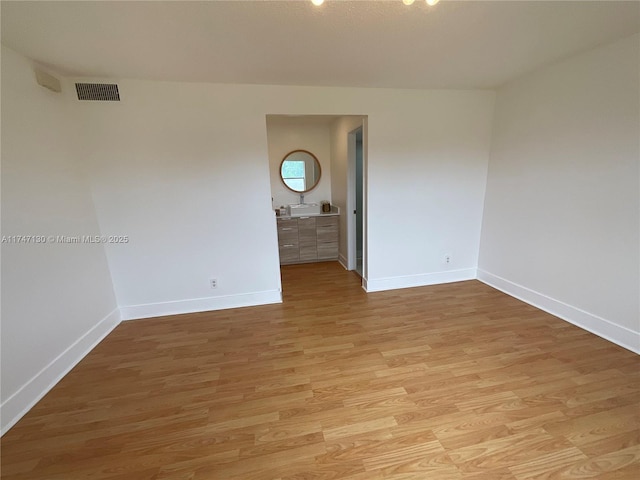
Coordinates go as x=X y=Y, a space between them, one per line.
x=98 y=91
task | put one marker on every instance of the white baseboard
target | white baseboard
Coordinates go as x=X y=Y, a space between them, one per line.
x=408 y=281
x=18 y=404
x=343 y=261
x=134 y=312
x=599 y=326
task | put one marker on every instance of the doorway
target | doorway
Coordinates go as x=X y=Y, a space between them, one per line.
x=356 y=195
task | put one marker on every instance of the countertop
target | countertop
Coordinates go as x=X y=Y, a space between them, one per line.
x=335 y=211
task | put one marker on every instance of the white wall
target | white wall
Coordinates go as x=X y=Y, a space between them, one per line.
x=427 y=166
x=57 y=299
x=285 y=134
x=183 y=170
x=561 y=221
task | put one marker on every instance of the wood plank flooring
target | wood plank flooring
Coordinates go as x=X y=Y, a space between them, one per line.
x=454 y=381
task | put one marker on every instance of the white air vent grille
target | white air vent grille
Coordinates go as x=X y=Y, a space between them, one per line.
x=98 y=91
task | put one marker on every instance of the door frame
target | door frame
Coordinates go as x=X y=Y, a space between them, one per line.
x=351 y=198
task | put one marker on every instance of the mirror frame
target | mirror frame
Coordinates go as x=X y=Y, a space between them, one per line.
x=315 y=160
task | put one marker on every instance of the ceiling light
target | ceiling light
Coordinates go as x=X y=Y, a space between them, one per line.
x=408 y=2
x=432 y=2
x=317 y=3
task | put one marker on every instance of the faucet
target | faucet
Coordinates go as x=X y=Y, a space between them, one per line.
x=302 y=199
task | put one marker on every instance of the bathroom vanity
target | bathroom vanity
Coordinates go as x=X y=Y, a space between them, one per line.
x=306 y=233
x=306 y=239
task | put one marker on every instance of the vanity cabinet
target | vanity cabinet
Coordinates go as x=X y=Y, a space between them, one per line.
x=308 y=239
x=288 y=240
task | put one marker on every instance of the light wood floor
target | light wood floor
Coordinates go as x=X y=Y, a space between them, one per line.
x=454 y=381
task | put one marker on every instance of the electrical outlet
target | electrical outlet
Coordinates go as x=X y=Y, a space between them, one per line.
x=213 y=282
x=447 y=258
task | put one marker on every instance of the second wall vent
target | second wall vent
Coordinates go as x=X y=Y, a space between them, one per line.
x=98 y=91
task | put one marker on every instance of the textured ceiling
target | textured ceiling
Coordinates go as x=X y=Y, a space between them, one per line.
x=456 y=44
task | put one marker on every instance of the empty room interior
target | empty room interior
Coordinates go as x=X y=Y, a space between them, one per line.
x=340 y=239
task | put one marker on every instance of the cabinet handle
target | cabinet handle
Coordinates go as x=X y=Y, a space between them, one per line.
x=288 y=245
x=289 y=228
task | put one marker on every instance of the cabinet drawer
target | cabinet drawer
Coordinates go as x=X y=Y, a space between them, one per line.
x=287 y=237
x=327 y=235
x=288 y=232
x=287 y=224
x=327 y=221
x=289 y=253
x=328 y=251
x=327 y=232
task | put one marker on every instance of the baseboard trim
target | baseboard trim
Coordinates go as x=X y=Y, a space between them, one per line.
x=422 y=280
x=606 y=329
x=18 y=404
x=149 y=310
x=343 y=261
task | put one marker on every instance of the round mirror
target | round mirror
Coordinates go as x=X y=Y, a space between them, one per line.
x=300 y=171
